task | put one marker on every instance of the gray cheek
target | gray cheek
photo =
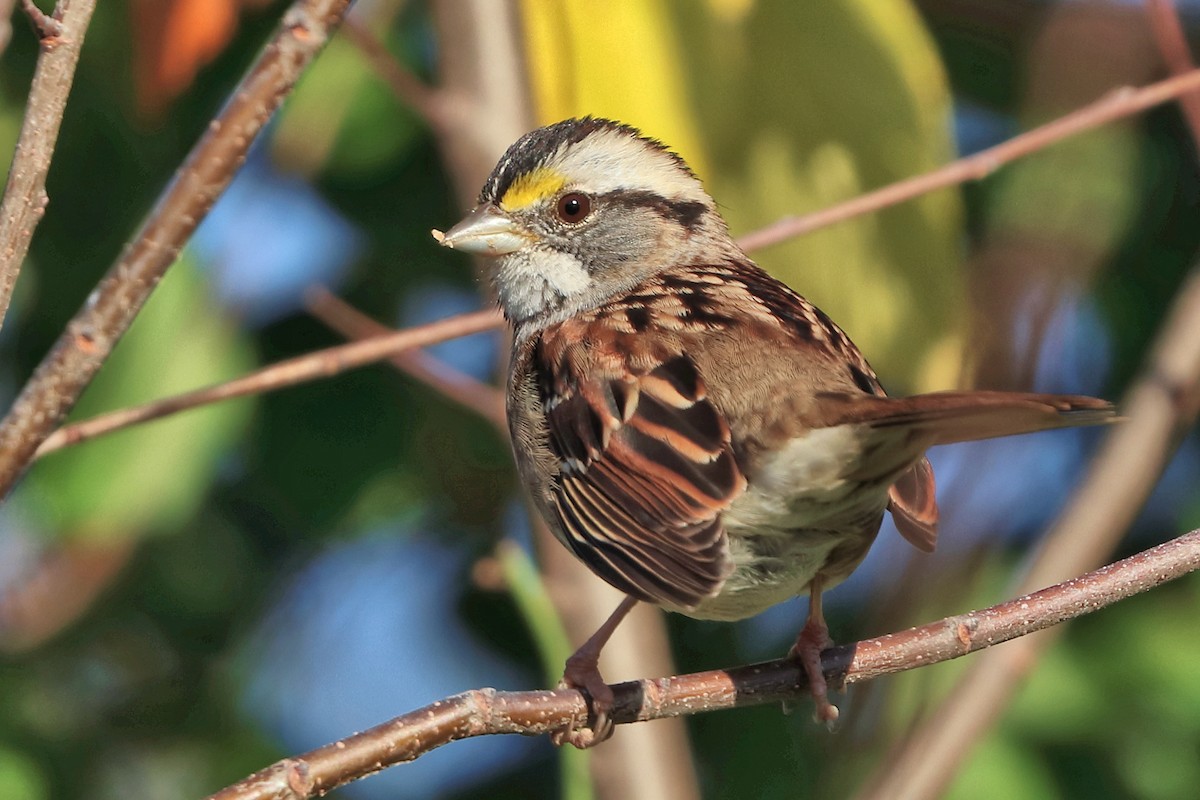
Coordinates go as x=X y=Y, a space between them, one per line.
x=615 y=241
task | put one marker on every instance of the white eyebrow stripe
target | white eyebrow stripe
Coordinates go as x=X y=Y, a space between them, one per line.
x=611 y=160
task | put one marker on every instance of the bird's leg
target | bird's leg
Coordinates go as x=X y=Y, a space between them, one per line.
x=814 y=638
x=583 y=672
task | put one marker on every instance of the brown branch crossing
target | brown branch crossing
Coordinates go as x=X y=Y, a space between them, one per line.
x=50 y=27
x=108 y=312
x=487 y=711
x=484 y=399
x=301 y=369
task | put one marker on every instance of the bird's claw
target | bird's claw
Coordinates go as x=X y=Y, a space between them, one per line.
x=807 y=651
x=584 y=675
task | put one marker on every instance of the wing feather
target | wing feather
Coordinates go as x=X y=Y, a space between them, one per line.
x=646 y=468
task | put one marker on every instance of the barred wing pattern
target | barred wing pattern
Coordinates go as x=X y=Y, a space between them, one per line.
x=645 y=469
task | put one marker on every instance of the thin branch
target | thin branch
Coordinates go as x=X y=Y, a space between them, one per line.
x=91 y=335
x=487 y=711
x=1118 y=103
x=1173 y=45
x=406 y=86
x=49 y=27
x=1159 y=409
x=25 y=197
x=485 y=400
x=310 y=366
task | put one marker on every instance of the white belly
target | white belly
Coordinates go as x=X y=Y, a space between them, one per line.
x=796 y=511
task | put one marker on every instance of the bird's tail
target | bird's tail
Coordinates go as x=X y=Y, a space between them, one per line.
x=926 y=420
x=949 y=417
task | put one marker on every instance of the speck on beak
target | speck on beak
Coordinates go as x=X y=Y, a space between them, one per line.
x=486 y=231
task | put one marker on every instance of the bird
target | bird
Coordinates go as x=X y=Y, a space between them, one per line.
x=695 y=431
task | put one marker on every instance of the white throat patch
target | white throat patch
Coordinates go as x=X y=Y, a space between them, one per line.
x=528 y=286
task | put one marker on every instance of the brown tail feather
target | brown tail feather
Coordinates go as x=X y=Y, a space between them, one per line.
x=948 y=417
x=913 y=503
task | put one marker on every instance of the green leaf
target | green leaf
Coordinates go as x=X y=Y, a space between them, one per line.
x=20 y=777
x=1003 y=770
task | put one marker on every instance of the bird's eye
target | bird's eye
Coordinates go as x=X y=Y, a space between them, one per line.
x=574 y=207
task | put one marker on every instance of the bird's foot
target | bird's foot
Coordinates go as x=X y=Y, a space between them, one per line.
x=813 y=639
x=583 y=672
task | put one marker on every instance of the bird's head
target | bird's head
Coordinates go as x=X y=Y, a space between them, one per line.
x=582 y=210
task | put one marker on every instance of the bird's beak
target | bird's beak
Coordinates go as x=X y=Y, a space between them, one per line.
x=486 y=231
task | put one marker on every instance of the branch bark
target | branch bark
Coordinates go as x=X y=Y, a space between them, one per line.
x=47 y=25
x=310 y=366
x=25 y=197
x=486 y=711
x=484 y=399
x=93 y=332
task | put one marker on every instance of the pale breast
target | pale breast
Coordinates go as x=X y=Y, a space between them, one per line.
x=801 y=515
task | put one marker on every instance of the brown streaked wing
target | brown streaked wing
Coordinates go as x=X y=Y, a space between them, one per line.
x=646 y=469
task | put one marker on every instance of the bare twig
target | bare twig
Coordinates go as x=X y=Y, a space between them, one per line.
x=90 y=336
x=25 y=196
x=1173 y=44
x=310 y=366
x=487 y=711
x=1159 y=410
x=49 y=26
x=1116 y=104
x=486 y=401
x=407 y=87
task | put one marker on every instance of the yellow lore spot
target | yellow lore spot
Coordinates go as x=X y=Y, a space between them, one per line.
x=531 y=187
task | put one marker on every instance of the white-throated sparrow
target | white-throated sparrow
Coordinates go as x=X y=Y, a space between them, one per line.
x=699 y=434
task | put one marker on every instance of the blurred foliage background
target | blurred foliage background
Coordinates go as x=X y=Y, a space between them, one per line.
x=185 y=602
